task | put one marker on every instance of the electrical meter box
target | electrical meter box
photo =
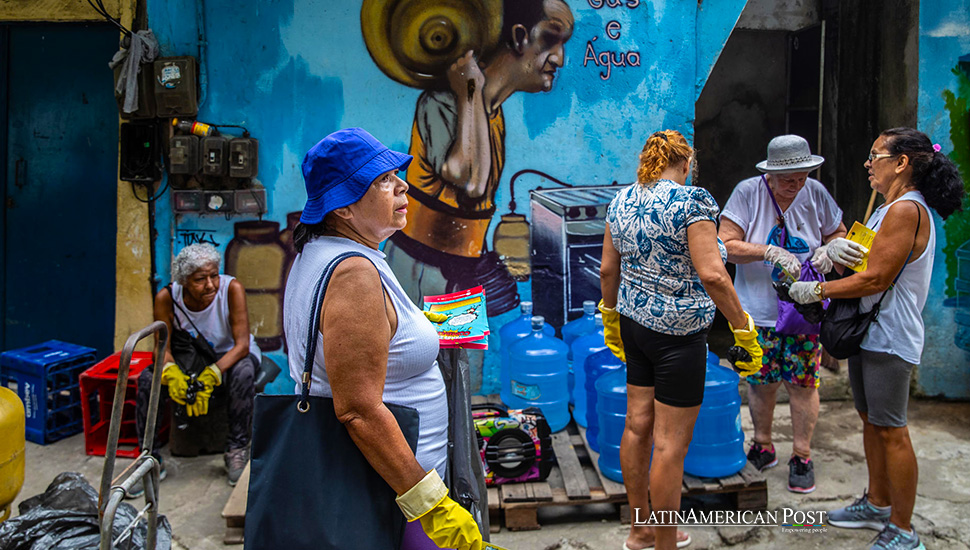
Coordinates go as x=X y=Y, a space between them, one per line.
x=183 y=155
x=215 y=153
x=176 y=87
x=146 y=93
x=139 y=153
x=243 y=157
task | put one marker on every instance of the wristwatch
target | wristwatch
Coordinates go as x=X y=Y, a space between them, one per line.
x=819 y=291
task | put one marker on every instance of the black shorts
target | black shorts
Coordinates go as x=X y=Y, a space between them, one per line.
x=675 y=366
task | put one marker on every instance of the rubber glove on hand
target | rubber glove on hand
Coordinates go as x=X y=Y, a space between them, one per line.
x=210 y=377
x=435 y=317
x=803 y=292
x=846 y=252
x=779 y=256
x=611 y=331
x=746 y=338
x=445 y=522
x=177 y=382
x=821 y=261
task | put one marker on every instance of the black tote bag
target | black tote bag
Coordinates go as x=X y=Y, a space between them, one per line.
x=310 y=486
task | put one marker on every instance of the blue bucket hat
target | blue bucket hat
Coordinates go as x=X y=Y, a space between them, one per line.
x=339 y=169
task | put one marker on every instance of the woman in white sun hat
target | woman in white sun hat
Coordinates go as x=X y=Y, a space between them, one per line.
x=775 y=222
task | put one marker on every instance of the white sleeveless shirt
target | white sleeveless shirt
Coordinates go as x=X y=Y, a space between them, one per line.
x=899 y=327
x=213 y=321
x=413 y=378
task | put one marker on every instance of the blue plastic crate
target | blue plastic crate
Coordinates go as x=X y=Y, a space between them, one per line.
x=47 y=381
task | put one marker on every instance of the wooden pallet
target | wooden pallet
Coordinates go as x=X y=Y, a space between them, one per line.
x=235 y=510
x=576 y=480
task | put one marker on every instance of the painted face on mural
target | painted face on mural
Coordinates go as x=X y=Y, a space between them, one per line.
x=383 y=209
x=543 y=53
x=786 y=186
x=201 y=287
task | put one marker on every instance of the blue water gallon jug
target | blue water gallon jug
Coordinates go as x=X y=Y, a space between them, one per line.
x=611 y=407
x=510 y=333
x=537 y=372
x=597 y=365
x=574 y=329
x=583 y=347
x=717 y=447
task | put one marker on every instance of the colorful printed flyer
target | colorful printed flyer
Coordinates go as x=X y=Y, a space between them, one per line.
x=864 y=236
x=465 y=324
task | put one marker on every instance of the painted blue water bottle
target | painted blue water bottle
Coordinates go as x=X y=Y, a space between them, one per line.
x=611 y=407
x=512 y=331
x=717 y=447
x=574 y=329
x=596 y=366
x=537 y=372
x=583 y=347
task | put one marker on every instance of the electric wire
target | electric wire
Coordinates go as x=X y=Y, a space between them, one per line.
x=98 y=6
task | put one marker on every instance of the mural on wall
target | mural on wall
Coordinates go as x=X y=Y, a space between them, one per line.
x=469 y=59
x=957 y=225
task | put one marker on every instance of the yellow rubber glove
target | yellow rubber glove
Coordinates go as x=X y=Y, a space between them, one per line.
x=177 y=382
x=210 y=377
x=747 y=339
x=611 y=331
x=445 y=522
x=435 y=317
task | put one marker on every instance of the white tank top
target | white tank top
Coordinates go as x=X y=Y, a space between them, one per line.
x=413 y=378
x=899 y=328
x=213 y=321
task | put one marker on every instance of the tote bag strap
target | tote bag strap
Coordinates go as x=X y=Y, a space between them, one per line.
x=176 y=302
x=919 y=220
x=319 y=290
x=781 y=215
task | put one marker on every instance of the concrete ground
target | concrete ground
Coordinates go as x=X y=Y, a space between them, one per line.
x=196 y=489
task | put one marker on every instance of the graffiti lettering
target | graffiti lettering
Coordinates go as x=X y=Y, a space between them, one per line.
x=613 y=29
x=196 y=236
x=597 y=4
x=609 y=59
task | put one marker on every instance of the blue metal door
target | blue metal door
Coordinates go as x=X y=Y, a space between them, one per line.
x=59 y=144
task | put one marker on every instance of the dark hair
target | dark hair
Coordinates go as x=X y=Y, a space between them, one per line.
x=304 y=233
x=527 y=13
x=934 y=174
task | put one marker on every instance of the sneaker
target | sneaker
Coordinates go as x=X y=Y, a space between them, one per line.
x=138 y=489
x=236 y=461
x=762 y=458
x=860 y=515
x=892 y=538
x=801 y=475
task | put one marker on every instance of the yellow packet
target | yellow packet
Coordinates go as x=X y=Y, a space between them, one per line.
x=864 y=236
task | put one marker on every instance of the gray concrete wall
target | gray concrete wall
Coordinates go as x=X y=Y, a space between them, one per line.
x=779 y=15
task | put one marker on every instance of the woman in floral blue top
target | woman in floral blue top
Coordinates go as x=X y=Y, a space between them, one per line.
x=662 y=276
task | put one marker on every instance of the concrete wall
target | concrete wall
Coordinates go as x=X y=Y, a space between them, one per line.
x=944 y=91
x=779 y=15
x=295 y=70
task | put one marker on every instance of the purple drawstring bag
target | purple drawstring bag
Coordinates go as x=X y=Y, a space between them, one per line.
x=790 y=321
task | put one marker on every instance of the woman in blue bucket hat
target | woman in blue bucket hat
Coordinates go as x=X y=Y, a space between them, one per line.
x=374 y=346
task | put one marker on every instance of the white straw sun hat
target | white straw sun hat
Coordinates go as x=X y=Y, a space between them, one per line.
x=788 y=154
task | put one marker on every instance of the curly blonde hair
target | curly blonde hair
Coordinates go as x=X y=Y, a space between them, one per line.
x=661 y=150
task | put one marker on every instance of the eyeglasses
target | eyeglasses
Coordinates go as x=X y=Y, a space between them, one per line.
x=873 y=157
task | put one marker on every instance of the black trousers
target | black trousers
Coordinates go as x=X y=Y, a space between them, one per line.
x=239 y=379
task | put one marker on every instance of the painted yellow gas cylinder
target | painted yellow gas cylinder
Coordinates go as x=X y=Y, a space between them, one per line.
x=11 y=449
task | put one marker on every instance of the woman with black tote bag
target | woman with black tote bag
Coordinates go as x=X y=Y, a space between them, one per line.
x=369 y=424
x=913 y=177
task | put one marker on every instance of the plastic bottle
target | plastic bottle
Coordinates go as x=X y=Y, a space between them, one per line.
x=574 y=329
x=582 y=347
x=717 y=446
x=512 y=331
x=596 y=366
x=537 y=372
x=200 y=129
x=611 y=407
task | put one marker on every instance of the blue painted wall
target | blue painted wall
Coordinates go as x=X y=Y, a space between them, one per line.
x=292 y=71
x=944 y=91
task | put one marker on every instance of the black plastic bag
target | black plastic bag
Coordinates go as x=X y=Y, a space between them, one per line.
x=65 y=517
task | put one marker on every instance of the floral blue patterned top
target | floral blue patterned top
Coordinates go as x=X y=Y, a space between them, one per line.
x=659 y=287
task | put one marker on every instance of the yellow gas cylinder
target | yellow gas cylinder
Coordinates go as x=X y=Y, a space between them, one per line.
x=11 y=449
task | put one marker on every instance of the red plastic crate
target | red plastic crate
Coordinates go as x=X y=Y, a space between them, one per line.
x=97 y=397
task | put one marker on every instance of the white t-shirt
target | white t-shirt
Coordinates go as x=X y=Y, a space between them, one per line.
x=213 y=321
x=812 y=215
